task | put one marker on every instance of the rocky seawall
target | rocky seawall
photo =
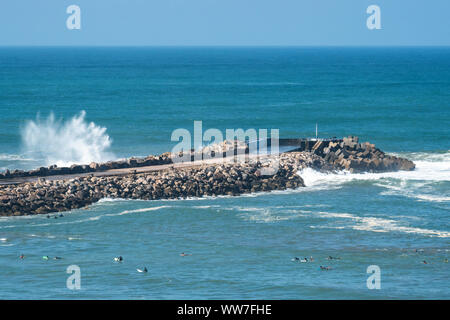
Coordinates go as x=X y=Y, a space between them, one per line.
x=341 y=154
x=54 y=170
x=230 y=178
x=45 y=196
x=349 y=154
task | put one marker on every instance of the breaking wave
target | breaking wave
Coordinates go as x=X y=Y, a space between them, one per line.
x=66 y=143
x=376 y=224
x=335 y=220
x=428 y=182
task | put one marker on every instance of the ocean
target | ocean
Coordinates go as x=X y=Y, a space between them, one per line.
x=79 y=104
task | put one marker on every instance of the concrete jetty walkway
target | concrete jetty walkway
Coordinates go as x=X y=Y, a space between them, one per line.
x=127 y=171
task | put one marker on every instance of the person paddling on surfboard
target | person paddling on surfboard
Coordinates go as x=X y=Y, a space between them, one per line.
x=185 y=254
x=325 y=268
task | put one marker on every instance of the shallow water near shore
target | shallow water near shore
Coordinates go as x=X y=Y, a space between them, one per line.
x=241 y=246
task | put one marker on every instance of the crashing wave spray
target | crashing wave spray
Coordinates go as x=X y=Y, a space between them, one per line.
x=428 y=182
x=66 y=143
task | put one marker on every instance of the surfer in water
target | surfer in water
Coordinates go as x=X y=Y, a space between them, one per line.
x=142 y=270
x=325 y=268
x=185 y=254
x=118 y=259
x=303 y=260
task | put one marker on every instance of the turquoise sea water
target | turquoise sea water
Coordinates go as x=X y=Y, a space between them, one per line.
x=397 y=98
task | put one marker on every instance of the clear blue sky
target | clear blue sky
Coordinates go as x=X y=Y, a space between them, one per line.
x=225 y=22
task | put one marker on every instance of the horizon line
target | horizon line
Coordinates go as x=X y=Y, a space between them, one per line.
x=227 y=46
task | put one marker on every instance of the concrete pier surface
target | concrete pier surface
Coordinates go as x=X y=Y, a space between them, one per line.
x=54 y=189
x=112 y=172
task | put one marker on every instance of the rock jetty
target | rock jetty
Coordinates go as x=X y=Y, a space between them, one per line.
x=45 y=195
x=349 y=154
x=54 y=170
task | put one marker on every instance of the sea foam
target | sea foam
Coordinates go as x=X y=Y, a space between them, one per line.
x=425 y=183
x=66 y=143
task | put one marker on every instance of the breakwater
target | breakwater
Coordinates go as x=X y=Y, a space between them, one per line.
x=54 y=170
x=45 y=196
x=349 y=154
x=341 y=154
x=53 y=192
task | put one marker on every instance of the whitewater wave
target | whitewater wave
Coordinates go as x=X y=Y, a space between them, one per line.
x=375 y=224
x=65 y=143
x=74 y=238
x=137 y=211
x=268 y=215
x=351 y=221
x=426 y=183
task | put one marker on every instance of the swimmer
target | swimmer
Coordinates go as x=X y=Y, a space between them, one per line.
x=142 y=270
x=45 y=257
x=304 y=260
x=118 y=259
x=295 y=259
x=48 y=216
x=57 y=258
x=325 y=268
x=22 y=256
x=61 y=215
x=185 y=254
x=333 y=258
x=424 y=262
x=311 y=259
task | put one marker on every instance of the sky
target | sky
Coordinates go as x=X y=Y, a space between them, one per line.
x=225 y=23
